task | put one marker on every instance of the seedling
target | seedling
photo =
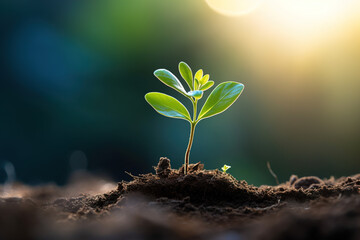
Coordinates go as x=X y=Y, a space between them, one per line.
x=220 y=99
x=225 y=168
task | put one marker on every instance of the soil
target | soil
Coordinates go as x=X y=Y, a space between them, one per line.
x=204 y=204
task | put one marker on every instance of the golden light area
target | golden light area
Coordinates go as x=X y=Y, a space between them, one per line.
x=304 y=55
x=233 y=7
x=292 y=32
x=299 y=24
x=294 y=25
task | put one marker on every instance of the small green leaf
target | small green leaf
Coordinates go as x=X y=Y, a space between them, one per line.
x=196 y=94
x=169 y=79
x=221 y=99
x=167 y=105
x=196 y=84
x=199 y=74
x=186 y=73
x=207 y=85
x=204 y=79
x=225 y=168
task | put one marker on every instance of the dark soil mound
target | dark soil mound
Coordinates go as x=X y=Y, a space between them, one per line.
x=207 y=187
x=204 y=204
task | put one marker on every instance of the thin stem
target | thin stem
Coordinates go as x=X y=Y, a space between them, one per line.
x=195 y=110
x=191 y=138
x=187 y=155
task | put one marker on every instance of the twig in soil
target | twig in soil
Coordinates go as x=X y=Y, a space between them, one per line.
x=272 y=173
x=133 y=176
x=270 y=207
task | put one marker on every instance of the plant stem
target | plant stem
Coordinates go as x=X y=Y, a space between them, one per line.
x=191 y=138
x=195 y=111
x=186 y=166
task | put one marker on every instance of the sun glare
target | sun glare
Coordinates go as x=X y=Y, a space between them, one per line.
x=300 y=20
x=295 y=26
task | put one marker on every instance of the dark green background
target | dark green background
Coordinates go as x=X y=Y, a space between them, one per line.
x=73 y=79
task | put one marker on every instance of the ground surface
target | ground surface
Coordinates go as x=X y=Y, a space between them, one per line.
x=205 y=204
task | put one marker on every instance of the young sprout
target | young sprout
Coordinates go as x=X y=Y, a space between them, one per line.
x=225 y=168
x=220 y=99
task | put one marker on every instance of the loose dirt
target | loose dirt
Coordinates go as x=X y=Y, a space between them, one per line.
x=204 y=204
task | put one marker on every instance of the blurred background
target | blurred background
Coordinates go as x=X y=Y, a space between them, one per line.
x=74 y=75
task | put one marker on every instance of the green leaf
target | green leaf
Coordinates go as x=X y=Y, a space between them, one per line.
x=186 y=73
x=207 y=85
x=204 y=79
x=221 y=99
x=225 y=168
x=196 y=94
x=199 y=74
x=169 y=79
x=167 y=105
x=196 y=84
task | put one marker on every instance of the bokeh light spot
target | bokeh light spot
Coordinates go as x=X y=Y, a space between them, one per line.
x=233 y=7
